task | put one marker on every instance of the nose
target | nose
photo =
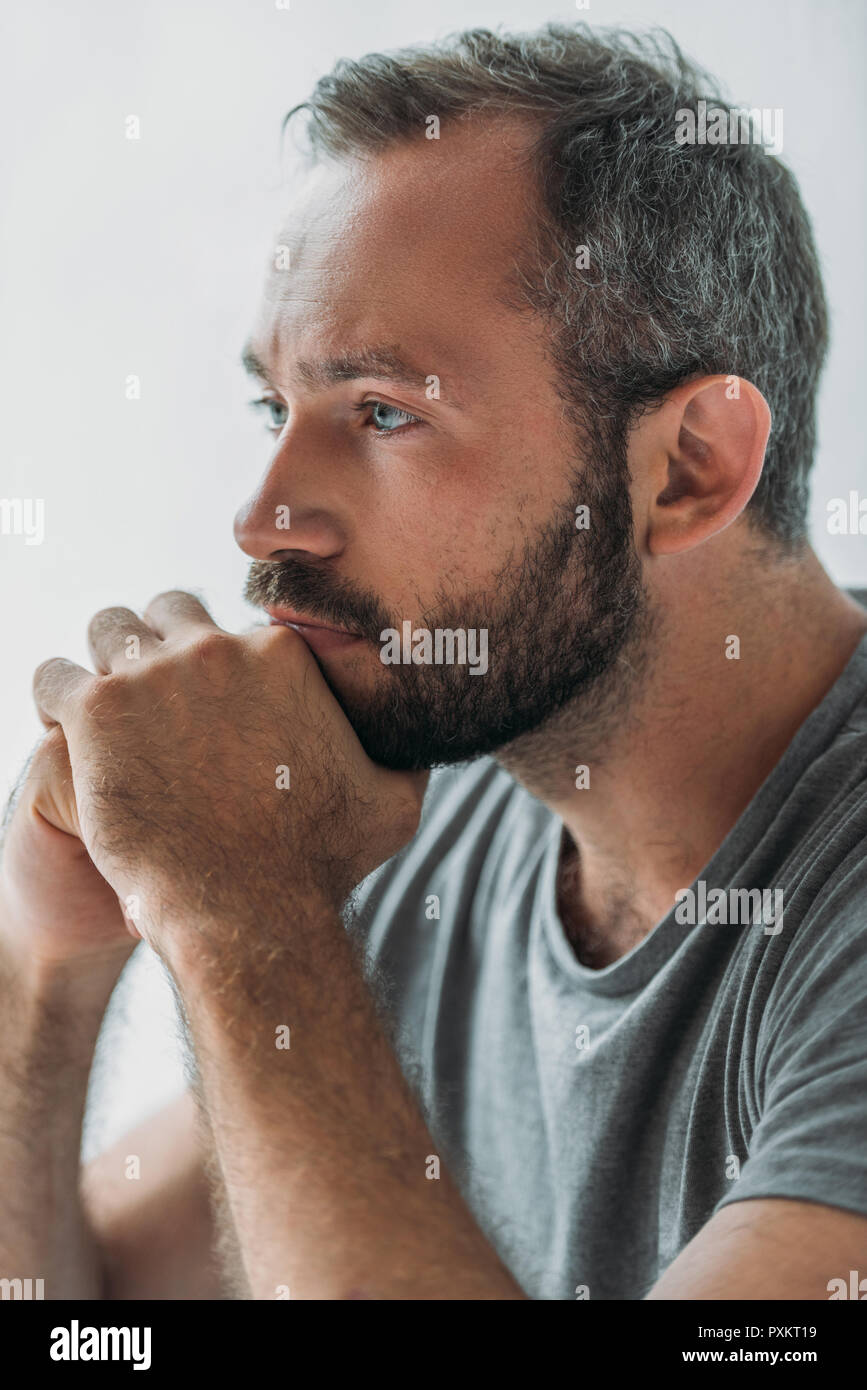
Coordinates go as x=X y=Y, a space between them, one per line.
x=282 y=518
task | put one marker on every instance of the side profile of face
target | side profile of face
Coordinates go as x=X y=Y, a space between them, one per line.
x=427 y=457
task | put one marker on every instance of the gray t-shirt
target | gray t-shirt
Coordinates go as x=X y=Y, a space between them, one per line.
x=596 y=1119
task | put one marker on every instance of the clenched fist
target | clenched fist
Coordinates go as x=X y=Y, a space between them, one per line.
x=216 y=779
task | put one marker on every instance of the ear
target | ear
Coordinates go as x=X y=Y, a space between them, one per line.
x=703 y=452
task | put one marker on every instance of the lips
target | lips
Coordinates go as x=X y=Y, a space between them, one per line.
x=289 y=618
x=321 y=639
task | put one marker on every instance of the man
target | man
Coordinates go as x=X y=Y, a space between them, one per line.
x=540 y=379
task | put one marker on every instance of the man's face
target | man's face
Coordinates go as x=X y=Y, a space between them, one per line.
x=428 y=464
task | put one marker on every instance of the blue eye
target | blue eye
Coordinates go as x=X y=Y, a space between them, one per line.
x=386 y=419
x=276 y=412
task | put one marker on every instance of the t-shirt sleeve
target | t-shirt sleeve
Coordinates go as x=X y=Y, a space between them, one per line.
x=810 y=1140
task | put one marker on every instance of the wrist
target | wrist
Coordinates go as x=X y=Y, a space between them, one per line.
x=247 y=942
x=69 y=987
x=237 y=979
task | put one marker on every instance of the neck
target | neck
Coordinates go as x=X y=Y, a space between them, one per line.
x=677 y=749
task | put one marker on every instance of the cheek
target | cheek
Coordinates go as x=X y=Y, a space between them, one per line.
x=421 y=539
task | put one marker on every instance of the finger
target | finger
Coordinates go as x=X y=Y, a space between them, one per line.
x=49 y=752
x=176 y=611
x=116 y=636
x=50 y=786
x=58 y=685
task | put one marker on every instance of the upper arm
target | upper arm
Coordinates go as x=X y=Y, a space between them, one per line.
x=155 y=1232
x=769 y=1248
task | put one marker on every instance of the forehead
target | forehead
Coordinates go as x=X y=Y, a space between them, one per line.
x=413 y=246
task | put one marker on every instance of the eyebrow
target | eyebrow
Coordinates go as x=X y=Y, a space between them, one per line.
x=383 y=362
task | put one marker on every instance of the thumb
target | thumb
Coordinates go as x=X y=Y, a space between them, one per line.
x=50 y=784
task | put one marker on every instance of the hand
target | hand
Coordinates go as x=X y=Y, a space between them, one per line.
x=176 y=759
x=56 y=906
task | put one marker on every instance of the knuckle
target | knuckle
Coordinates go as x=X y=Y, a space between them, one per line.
x=213 y=647
x=284 y=639
x=109 y=618
x=169 y=596
x=46 y=675
x=42 y=671
x=105 y=695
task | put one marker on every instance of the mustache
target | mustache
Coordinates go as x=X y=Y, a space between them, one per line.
x=311 y=590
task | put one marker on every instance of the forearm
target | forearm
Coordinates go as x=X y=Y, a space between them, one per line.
x=49 y=1022
x=327 y=1164
x=156 y=1233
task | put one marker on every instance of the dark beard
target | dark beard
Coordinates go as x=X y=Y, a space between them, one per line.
x=558 y=616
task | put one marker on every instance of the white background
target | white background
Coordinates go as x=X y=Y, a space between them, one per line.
x=145 y=257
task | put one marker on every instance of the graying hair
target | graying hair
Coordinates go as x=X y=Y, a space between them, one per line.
x=701 y=256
